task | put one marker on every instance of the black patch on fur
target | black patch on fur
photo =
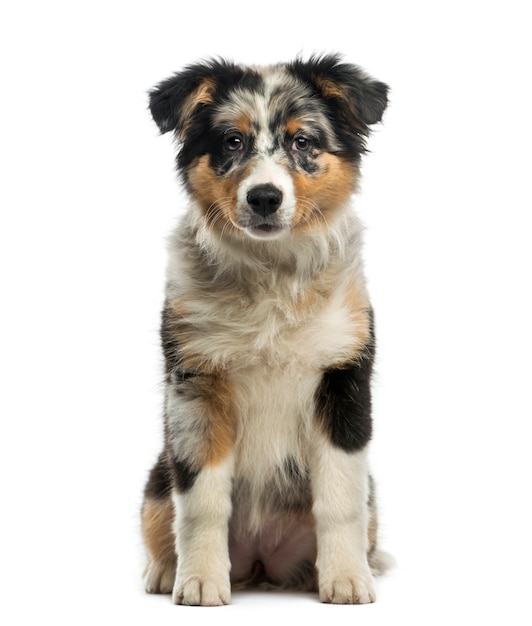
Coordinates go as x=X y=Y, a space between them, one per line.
x=159 y=483
x=166 y=473
x=343 y=401
x=175 y=373
x=184 y=475
x=296 y=493
x=182 y=472
x=169 y=342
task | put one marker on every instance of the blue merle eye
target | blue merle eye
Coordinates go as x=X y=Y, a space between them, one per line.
x=234 y=142
x=301 y=144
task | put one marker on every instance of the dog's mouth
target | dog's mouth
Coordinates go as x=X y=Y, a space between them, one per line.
x=265 y=230
x=269 y=227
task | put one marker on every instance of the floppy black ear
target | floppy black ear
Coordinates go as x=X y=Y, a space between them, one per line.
x=344 y=86
x=174 y=101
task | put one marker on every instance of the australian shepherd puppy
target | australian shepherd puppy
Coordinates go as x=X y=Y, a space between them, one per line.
x=267 y=332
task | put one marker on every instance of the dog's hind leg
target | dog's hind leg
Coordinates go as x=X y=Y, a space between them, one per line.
x=158 y=532
x=379 y=561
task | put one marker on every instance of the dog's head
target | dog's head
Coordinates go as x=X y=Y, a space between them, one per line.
x=267 y=151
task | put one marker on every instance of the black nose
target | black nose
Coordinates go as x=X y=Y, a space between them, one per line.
x=264 y=199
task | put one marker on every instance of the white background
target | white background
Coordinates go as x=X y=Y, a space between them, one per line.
x=88 y=196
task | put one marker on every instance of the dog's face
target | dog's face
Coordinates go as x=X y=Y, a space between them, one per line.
x=269 y=151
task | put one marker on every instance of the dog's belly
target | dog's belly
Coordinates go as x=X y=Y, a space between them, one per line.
x=283 y=550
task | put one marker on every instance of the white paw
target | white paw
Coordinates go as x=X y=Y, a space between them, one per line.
x=198 y=591
x=353 y=589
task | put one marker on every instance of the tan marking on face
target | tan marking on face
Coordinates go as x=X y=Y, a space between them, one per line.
x=292 y=126
x=243 y=124
x=217 y=195
x=203 y=94
x=320 y=195
x=157 y=529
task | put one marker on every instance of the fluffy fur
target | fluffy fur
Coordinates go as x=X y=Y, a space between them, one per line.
x=267 y=333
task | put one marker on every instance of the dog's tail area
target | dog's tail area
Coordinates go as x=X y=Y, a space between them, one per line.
x=380 y=562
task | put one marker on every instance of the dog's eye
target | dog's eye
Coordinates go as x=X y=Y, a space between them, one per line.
x=234 y=142
x=301 y=144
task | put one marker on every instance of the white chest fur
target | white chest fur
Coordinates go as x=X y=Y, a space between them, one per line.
x=273 y=334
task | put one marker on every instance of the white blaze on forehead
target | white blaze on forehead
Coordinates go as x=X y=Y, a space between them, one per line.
x=265 y=139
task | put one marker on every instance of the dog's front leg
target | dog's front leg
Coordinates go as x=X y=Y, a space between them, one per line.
x=340 y=491
x=202 y=518
x=340 y=483
x=200 y=434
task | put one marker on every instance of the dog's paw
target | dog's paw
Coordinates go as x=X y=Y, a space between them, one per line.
x=159 y=577
x=354 y=589
x=198 y=591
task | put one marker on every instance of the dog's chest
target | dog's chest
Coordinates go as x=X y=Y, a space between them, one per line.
x=311 y=331
x=272 y=343
x=274 y=354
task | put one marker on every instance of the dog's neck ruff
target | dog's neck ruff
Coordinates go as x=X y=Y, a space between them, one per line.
x=236 y=258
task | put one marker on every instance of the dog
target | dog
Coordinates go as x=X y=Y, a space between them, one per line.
x=268 y=337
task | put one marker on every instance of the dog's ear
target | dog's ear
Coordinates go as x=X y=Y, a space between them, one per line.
x=345 y=87
x=175 y=101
